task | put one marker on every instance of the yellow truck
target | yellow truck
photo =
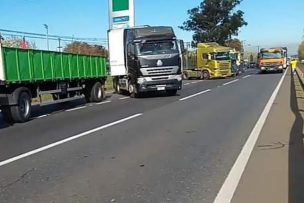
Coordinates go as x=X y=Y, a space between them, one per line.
x=212 y=61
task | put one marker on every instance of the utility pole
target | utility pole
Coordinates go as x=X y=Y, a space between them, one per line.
x=59 y=45
x=47 y=36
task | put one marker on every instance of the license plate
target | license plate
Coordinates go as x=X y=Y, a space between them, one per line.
x=161 y=88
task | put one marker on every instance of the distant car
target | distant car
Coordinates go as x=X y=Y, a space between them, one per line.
x=302 y=61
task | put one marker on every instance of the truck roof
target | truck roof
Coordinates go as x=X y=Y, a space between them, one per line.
x=152 y=31
x=271 y=50
x=213 y=47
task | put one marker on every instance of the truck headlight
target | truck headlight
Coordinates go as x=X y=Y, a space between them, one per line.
x=176 y=77
x=280 y=67
x=263 y=68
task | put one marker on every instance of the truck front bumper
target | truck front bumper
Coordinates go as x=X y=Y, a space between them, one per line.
x=272 y=68
x=160 y=85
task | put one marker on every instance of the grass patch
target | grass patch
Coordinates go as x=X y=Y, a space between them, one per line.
x=109 y=84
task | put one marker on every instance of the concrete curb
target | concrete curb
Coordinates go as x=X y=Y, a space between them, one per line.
x=300 y=75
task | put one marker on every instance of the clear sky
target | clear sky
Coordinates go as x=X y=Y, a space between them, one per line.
x=270 y=22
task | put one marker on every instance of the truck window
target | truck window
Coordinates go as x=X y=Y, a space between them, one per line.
x=220 y=56
x=157 y=47
x=131 y=50
x=271 y=55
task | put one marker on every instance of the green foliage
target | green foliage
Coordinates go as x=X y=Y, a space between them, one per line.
x=214 y=21
x=235 y=44
x=301 y=51
x=85 y=48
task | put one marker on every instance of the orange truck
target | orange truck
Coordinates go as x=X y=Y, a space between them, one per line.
x=273 y=59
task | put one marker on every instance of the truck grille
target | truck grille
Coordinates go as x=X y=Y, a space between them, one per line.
x=271 y=64
x=224 y=66
x=159 y=71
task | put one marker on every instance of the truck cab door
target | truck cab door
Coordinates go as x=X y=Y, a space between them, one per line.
x=132 y=61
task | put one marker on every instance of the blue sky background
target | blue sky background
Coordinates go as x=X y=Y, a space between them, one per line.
x=270 y=22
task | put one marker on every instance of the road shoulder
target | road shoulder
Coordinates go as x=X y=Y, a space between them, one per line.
x=273 y=173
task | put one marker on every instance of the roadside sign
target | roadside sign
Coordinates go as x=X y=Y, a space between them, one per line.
x=121 y=14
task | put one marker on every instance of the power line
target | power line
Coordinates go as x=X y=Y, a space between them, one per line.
x=64 y=38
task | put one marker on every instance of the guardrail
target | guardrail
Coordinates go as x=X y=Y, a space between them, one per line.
x=300 y=73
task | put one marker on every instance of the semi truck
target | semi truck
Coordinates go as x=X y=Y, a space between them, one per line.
x=145 y=59
x=212 y=61
x=26 y=74
x=272 y=59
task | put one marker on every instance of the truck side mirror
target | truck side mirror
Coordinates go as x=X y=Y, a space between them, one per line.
x=182 y=46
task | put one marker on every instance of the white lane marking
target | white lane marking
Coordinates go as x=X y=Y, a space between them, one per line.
x=247 y=76
x=194 y=95
x=123 y=98
x=228 y=83
x=36 y=151
x=42 y=116
x=187 y=84
x=75 y=109
x=195 y=82
x=105 y=102
x=227 y=190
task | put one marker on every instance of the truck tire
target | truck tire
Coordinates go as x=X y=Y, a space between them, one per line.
x=201 y=76
x=21 y=112
x=185 y=76
x=133 y=91
x=206 y=75
x=95 y=93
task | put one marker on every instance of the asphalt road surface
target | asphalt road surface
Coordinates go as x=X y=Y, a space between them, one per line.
x=154 y=149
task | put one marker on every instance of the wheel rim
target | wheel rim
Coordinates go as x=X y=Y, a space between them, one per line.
x=24 y=106
x=117 y=88
x=131 y=89
x=205 y=75
x=99 y=93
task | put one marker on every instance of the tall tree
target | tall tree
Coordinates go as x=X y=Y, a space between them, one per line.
x=235 y=44
x=301 y=51
x=214 y=21
x=85 y=48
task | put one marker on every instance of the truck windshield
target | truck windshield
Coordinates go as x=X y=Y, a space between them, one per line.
x=157 y=47
x=221 y=56
x=271 y=55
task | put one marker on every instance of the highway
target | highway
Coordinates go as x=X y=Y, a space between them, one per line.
x=154 y=149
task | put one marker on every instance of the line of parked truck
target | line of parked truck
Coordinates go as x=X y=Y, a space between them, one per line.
x=141 y=59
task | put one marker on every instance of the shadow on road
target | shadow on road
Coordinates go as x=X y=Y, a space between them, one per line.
x=296 y=150
x=43 y=110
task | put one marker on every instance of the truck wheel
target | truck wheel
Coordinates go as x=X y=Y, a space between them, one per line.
x=185 y=76
x=171 y=92
x=95 y=93
x=133 y=91
x=116 y=86
x=201 y=76
x=22 y=111
x=206 y=75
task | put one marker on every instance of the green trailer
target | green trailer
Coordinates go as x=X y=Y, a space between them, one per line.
x=26 y=74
